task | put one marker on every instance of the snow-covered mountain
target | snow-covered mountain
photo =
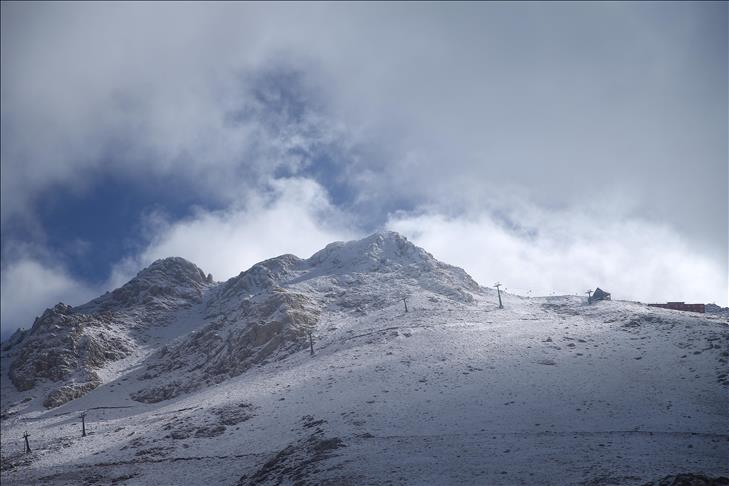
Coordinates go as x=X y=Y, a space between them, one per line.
x=66 y=346
x=190 y=381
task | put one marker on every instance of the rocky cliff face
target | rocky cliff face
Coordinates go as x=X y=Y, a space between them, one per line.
x=164 y=285
x=67 y=346
x=63 y=344
x=268 y=311
x=263 y=314
x=267 y=326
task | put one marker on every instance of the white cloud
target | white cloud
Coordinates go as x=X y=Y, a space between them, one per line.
x=532 y=251
x=29 y=286
x=453 y=100
x=446 y=103
x=567 y=252
x=292 y=216
x=295 y=216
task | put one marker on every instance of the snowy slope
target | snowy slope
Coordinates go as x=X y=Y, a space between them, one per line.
x=454 y=391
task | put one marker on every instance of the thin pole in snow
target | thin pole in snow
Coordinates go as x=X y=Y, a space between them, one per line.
x=83 y=424
x=405 y=301
x=498 y=291
x=311 y=344
x=27 y=444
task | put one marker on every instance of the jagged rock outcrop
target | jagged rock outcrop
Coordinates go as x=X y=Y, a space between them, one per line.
x=163 y=285
x=63 y=343
x=15 y=339
x=66 y=393
x=268 y=325
x=352 y=274
x=390 y=260
x=66 y=345
x=266 y=312
x=689 y=479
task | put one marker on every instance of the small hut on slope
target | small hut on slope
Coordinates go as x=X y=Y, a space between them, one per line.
x=600 y=294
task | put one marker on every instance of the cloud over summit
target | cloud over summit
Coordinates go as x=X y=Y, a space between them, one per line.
x=347 y=117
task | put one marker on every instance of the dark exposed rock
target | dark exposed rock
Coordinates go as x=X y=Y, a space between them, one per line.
x=212 y=424
x=66 y=393
x=298 y=463
x=67 y=344
x=234 y=414
x=62 y=343
x=690 y=480
x=274 y=323
x=15 y=339
x=210 y=431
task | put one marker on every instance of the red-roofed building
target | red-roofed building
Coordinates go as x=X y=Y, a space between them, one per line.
x=682 y=306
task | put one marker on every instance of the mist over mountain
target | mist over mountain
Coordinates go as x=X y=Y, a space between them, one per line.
x=552 y=146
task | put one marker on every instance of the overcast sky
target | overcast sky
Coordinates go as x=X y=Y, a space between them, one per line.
x=552 y=146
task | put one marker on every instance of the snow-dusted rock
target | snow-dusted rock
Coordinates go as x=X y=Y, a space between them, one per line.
x=163 y=285
x=62 y=344
x=267 y=311
x=67 y=345
x=452 y=391
x=271 y=324
x=14 y=339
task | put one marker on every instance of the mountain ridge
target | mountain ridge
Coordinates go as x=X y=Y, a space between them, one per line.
x=292 y=294
x=372 y=363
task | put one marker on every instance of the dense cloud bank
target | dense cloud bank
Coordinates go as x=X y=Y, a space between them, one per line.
x=544 y=134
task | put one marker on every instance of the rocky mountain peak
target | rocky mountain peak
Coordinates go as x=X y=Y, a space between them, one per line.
x=375 y=252
x=264 y=313
x=173 y=270
x=261 y=276
x=169 y=278
x=67 y=345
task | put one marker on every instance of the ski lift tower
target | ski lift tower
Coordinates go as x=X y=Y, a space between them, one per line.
x=498 y=291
